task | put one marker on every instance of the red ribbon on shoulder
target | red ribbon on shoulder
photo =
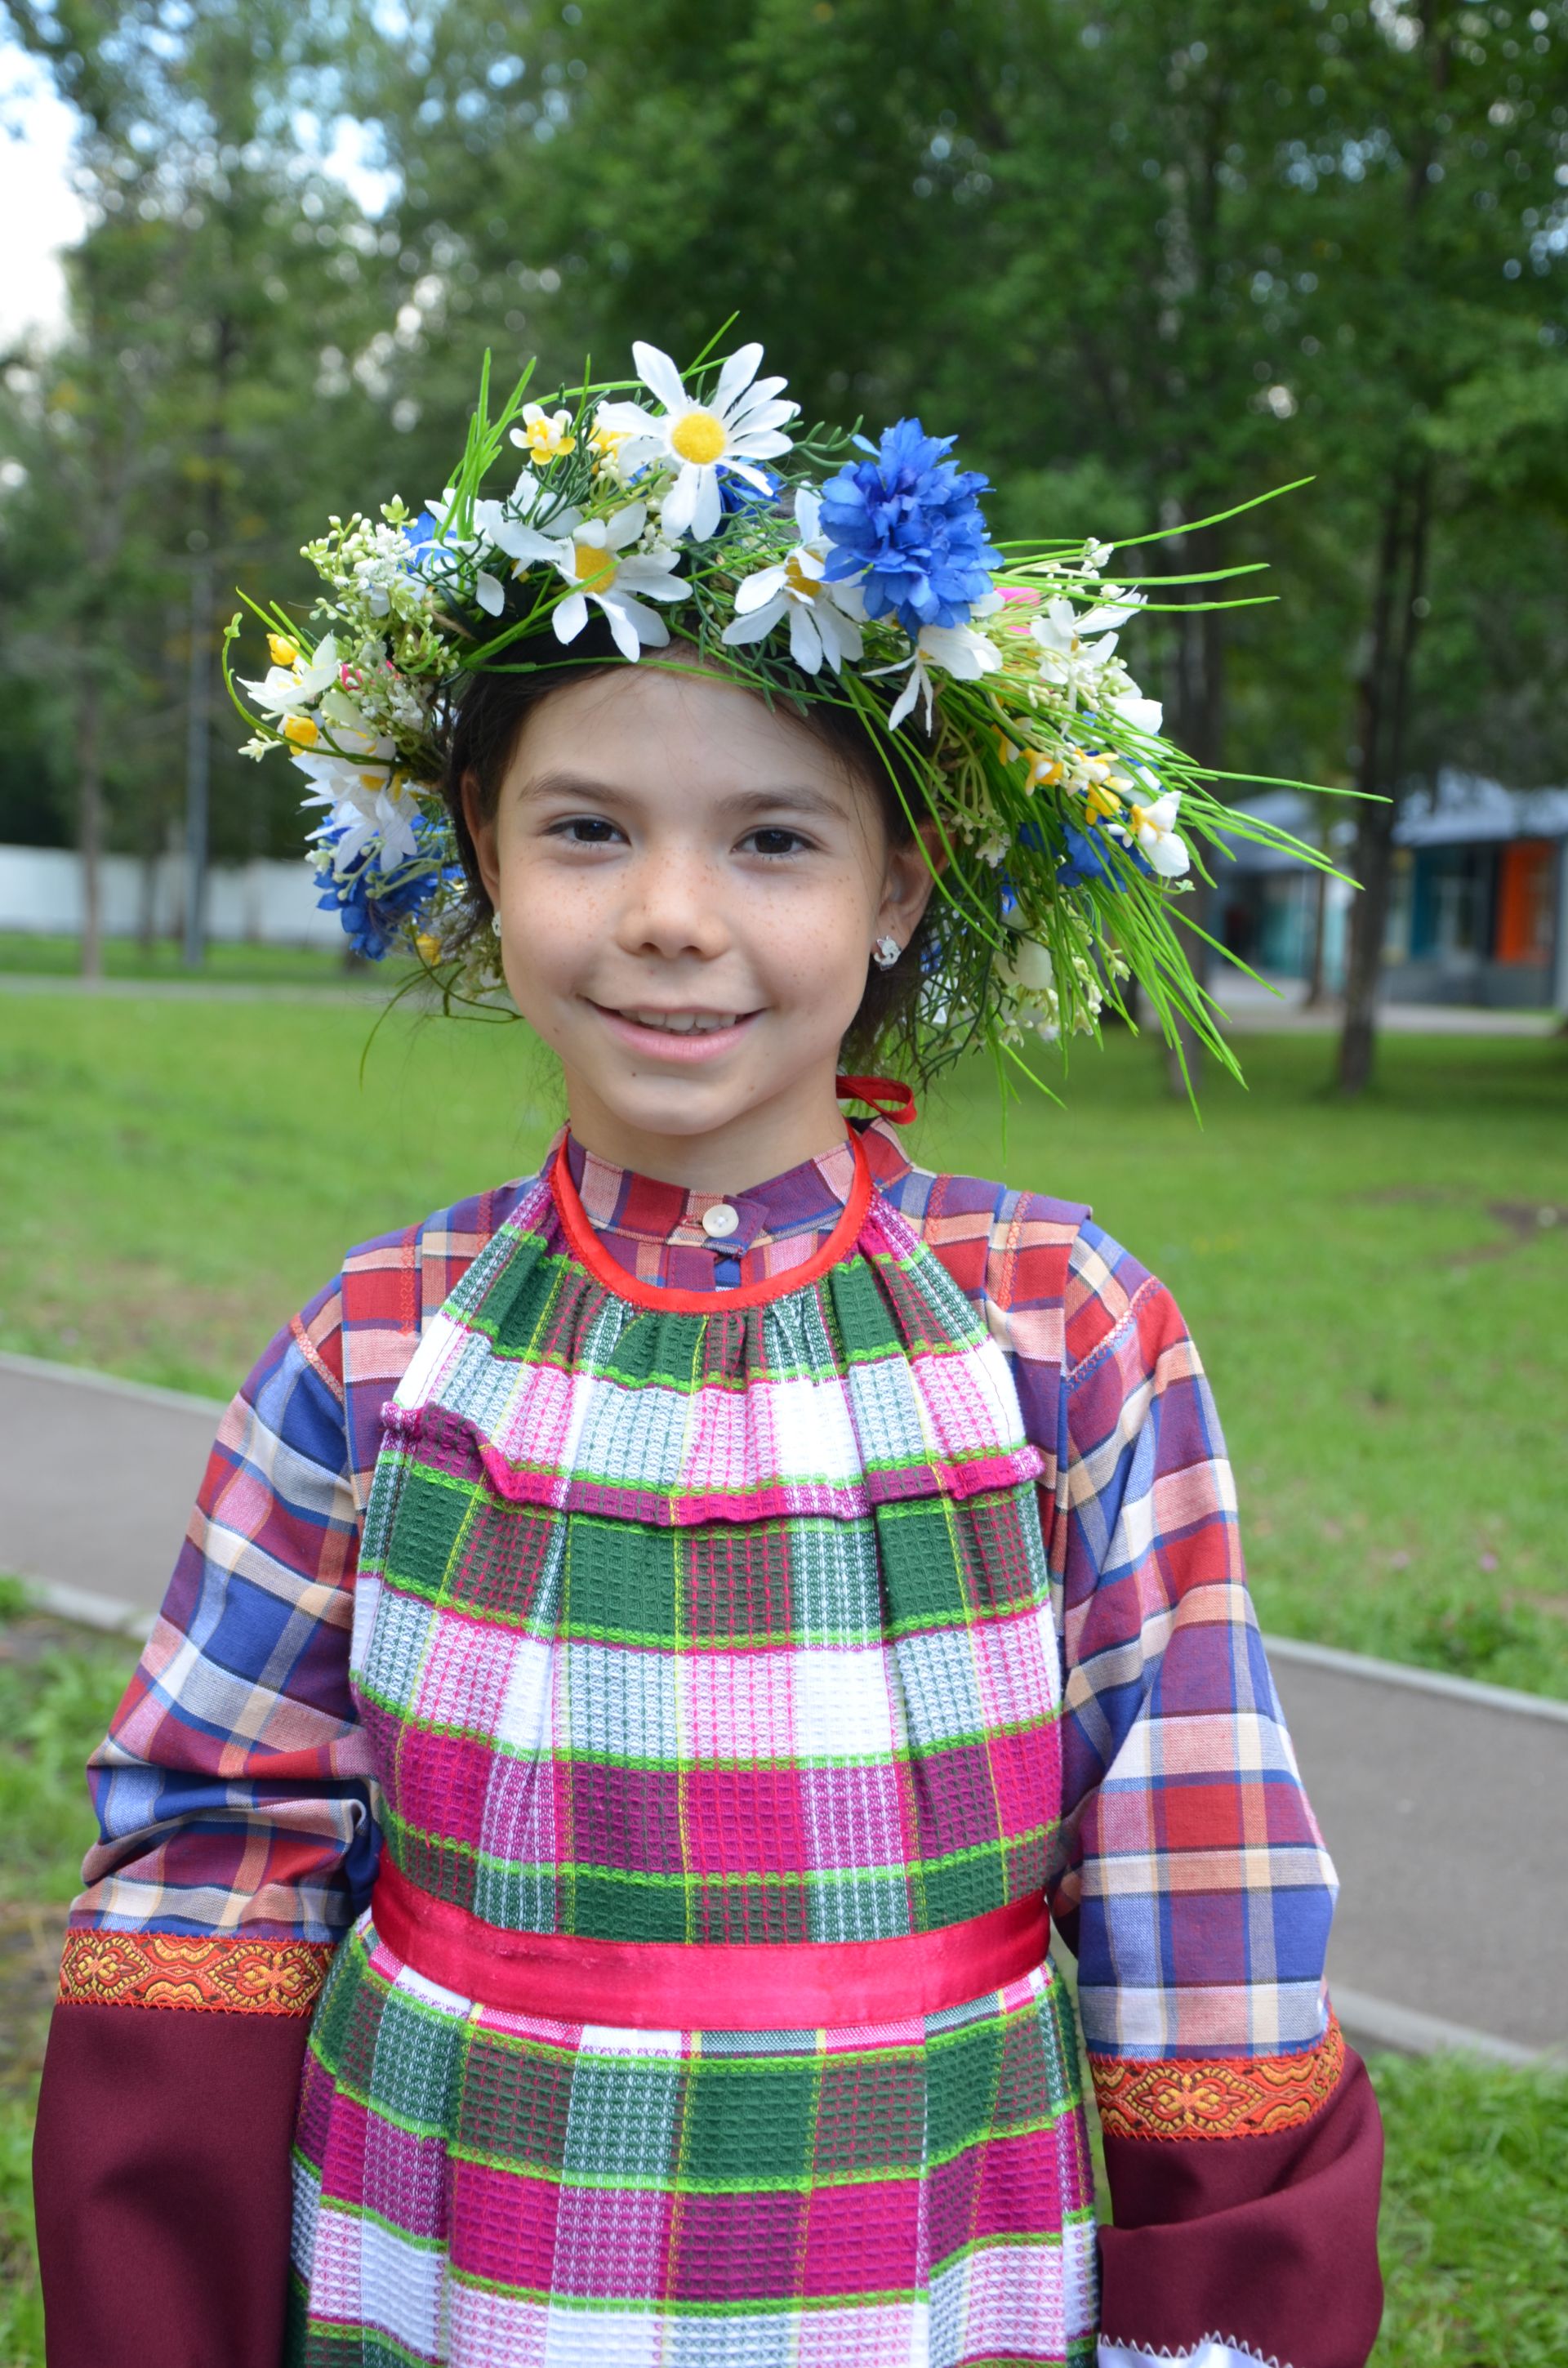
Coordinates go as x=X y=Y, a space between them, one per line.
x=885 y=1095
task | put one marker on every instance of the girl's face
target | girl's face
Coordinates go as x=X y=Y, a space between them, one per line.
x=688 y=888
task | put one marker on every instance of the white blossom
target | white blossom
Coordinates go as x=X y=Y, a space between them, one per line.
x=736 y=430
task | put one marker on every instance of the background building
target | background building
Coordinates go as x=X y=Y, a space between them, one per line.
x=1480 y=907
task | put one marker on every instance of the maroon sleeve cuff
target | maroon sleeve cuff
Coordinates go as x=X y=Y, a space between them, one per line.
x=161 y=2173
x=1267 y=2241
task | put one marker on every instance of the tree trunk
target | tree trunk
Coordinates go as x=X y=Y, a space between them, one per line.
x=1315 y=994
x=1396 y=621
x=1385 y=700
x=199 y=741
x=90 y=818
x=147 y=901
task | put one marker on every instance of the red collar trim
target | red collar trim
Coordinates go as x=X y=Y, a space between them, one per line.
x=590 y=1252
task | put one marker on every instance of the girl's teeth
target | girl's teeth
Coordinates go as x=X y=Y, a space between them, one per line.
x=685 y=1023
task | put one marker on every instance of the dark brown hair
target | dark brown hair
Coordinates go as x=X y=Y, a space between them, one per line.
x=488 y=711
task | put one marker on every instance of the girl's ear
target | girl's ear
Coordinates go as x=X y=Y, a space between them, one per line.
x=908 y=881
x=482 y=830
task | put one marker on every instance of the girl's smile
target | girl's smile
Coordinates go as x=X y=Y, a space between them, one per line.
x=679 y=1035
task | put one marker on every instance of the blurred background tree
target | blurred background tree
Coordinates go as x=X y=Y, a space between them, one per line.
x=1147 y=260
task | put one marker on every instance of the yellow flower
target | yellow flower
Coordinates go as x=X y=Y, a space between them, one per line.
x=544 y=435
x=1042 y=769
x=428 y=949
x=282 y=651
x=301 y=730
x=1101 y=802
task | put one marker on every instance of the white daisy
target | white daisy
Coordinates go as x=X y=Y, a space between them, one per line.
x=739 y=427
x=822 y=616
x=598 y=558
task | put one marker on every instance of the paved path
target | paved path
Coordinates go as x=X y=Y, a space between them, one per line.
x=1250 y=1009
x=97 y=1478
x=1445 y=1805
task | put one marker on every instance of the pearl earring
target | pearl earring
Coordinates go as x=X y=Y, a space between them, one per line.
x=886 y=953
x=494 y=924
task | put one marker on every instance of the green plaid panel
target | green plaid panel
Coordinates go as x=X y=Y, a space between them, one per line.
x=338 y=2003
x=635 y=1347
x=863 y=1322
x=509 y=1563
x=836 y=1582
x=860 y=1904
x=963 y=2078
x=738 y=1583
x=923 y=1568
x=392 y=2052
x=625 y=2119
x=516 y=1308
x=1026 y=2090
x=622 y=1581
x=425 y=1527
x=1001 y=1550
x=627 y=1906
x=748 y=2125
x=517 y=1894
x=514 y=2103
x=953 y=1890
x=871 y=2117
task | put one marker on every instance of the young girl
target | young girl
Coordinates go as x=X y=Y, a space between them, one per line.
x=661 y=1644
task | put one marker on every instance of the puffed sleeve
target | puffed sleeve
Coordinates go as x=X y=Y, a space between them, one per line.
x=238 y=1839
x=1243 y=2144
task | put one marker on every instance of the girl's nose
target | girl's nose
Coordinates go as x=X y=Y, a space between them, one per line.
x=673 y=907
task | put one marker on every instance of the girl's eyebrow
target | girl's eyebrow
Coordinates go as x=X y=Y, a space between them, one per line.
x=796 y=797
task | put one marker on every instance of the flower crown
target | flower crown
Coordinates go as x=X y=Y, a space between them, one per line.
x=812 y=566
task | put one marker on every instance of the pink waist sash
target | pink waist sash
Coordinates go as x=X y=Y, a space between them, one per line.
x=703 y=1986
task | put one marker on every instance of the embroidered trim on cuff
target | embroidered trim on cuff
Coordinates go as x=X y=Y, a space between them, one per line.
x=1214 y=2351
x=1204 y=2097
x=227 y=1975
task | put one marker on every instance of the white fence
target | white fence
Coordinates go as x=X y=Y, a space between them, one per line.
x=255 y=904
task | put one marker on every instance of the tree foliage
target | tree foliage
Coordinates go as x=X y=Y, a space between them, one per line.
x=1148 y=259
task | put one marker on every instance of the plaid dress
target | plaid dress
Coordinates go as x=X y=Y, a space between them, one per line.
x=677 y=1657
x=718 y=1626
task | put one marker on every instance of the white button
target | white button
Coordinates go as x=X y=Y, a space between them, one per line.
x=721 y=1220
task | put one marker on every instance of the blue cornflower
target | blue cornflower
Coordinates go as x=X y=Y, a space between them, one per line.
x=1086 y=860
x=907 y=525
x=372 y=905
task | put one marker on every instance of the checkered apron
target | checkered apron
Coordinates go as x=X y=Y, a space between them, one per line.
x=719 y=1624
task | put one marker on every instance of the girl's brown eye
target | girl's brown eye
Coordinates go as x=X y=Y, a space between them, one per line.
x=587 y=830
x=775 y=842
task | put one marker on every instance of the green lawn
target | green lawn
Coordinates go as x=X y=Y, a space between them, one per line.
x=1475 y=2217
x=226 y=965
x=1378 y=1289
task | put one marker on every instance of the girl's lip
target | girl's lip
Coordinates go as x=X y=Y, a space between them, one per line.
x=662 y=1044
